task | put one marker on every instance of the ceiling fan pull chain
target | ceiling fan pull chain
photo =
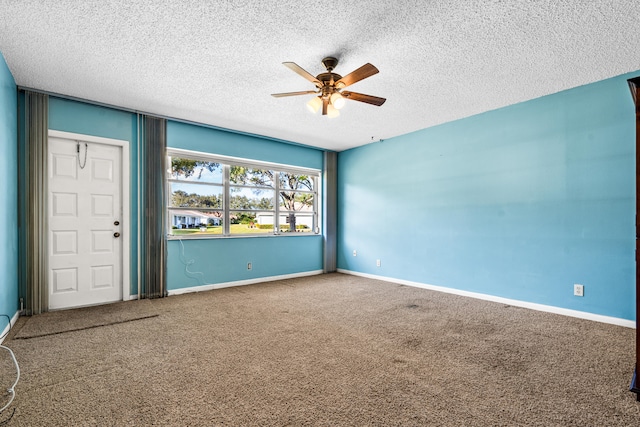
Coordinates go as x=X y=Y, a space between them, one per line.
x=84 y=163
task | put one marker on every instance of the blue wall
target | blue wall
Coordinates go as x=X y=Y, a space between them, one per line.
x=520 y=202
x=211 y=261
x=217 y=141
x=78 y=117
x=8 y=194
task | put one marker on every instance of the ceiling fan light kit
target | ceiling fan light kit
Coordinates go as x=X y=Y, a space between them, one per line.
x=314 y=104
x=332 y=111
x=337 y=100
x=329 y=87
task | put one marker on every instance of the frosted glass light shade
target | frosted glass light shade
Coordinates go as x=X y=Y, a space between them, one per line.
x=332 y=111
x=314 y=104
x=337 y=100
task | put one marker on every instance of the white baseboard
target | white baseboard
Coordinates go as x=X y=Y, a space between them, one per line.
x=7 y=328
x=517 y=303
x=242 y=282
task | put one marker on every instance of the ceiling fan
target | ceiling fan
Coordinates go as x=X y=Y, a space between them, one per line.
x=329 y=87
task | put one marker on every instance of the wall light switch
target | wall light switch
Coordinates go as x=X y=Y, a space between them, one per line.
x=355 y=253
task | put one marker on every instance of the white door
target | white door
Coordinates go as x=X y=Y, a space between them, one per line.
x=85 y=223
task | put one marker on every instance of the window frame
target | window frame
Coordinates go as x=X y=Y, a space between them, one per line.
x=226 y=162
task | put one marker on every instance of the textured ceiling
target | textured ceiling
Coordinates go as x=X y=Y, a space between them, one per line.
x=217 y=62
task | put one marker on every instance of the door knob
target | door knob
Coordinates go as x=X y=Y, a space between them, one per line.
x=116 y=222
x=116 y=234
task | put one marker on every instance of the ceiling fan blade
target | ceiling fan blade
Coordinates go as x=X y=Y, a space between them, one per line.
x=304 y=92
x=304 y=73
x=369 y=99
x=367 y=70
x=325 y=106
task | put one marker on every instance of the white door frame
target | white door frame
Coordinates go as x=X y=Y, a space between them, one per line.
x=125 y=194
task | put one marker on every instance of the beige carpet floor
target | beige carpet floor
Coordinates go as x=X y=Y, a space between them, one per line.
x=329 y=350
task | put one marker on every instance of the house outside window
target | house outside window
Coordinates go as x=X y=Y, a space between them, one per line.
x=219 y=196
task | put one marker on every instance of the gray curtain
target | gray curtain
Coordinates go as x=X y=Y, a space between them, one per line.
x=330 y=216
x=154 y=206
x=35 y=202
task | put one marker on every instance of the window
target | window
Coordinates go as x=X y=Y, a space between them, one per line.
x=296 y=196
x=215 y=196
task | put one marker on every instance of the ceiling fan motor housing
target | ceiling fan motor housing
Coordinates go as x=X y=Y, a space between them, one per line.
x=329 y=78
x=328 y=83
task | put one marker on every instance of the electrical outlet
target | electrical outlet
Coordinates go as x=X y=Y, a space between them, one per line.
x=578 y=290
x=355 y=253
x=249 y=266
x=377 y=263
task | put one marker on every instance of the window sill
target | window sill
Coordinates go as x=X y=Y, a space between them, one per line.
x=238 y=236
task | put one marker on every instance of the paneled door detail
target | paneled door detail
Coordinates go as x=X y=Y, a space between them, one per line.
x=85 y=223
